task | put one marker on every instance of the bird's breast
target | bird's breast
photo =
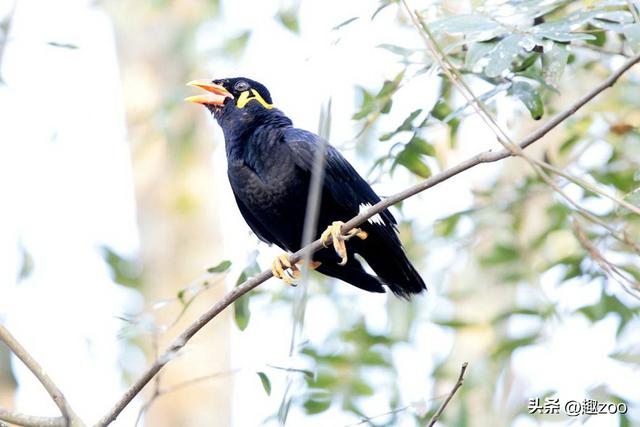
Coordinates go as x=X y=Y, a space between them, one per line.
x=268 y=188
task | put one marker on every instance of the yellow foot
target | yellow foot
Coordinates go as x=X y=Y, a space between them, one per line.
x=287 y=272
x=281 y=268
x=333 y=232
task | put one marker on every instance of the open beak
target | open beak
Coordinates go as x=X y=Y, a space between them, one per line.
x=216 y=96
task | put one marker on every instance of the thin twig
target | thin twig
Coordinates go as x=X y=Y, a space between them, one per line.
x=159 y=392
x=453 y=391
x=394 y=411
x=480 y=158
x=196 y=380
x=630 y=286
x=369 y=419
x=69 y=417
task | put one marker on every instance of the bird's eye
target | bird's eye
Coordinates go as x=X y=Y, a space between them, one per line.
x=241 y=86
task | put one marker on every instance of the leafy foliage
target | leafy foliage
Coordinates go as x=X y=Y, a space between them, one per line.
x=518 y=230
x=241 y=305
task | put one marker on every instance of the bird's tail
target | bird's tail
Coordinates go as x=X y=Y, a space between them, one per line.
x=393 y=268
x=352 y=273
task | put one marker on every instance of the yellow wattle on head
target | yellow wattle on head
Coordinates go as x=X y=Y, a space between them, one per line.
x=249 y=95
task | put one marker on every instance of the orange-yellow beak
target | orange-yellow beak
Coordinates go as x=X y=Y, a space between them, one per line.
x=216 y=96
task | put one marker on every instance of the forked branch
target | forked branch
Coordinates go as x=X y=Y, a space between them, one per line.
x=68 y=418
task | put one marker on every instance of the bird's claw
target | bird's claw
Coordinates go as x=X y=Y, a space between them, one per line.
x=281 y=267
x=334 y=232
x=284 y=270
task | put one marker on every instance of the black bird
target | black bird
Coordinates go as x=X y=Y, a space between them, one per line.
x=269 y=168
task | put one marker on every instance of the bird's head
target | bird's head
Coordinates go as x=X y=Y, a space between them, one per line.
x=233 y=96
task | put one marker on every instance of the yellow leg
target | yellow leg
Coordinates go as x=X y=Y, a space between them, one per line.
x=334 y=233
x=279 y=269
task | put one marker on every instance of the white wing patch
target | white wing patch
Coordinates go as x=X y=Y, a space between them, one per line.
x=376 y=219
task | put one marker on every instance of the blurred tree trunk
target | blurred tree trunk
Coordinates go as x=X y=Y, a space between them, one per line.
x=176 y=199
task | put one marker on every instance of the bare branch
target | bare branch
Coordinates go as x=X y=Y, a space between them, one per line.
x=20 y=419
x=69 y=417
x=453 y=391
x=484 y=157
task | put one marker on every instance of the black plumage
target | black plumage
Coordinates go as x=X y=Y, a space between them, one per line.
x=269 y=168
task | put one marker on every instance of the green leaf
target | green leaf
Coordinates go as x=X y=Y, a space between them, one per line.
x=180 y=295
x=446 y=226
x=289 y=19
x=386 y=107
x=455 y=324
x=323 y=380
x=406 y=125
x=502 y=57
x=236 y=45
x=554 y=61
x=367 y=106
x=398 y=50
x=520 y=311
x=632 y=34
x=465 y=24
x=626 y=357
x=608 y=304
x=421 y=146
x=125 y=271
x=266 y=383
x=220 y=268
x=565 y=37
x=389 y=86
x=361 y=388
x=344 y=23
x=501 y=254
x=529 y=97
x=241 y=313
x=383 y=5
x=441 y=110
x=27 y=263
x=411 y=160
x=476 y=52
x=569 y=142
x=508 y=346
x=527 y=62
x=318 y=402
x=620 y=16
x=600 y=37
x=374 y=358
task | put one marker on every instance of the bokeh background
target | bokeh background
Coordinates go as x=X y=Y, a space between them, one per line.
x=116 y=217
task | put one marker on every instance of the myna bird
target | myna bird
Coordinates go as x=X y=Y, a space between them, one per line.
x=269 y=168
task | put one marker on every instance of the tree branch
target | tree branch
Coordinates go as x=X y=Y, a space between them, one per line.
x=484 y=157
x=30 y=420
x=453 y=391
x=68 y=418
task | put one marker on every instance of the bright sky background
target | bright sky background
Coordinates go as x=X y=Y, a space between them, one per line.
x=66 y=188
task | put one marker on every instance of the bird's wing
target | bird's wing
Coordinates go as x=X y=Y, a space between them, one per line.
x=342 y=182
x=256 y=226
